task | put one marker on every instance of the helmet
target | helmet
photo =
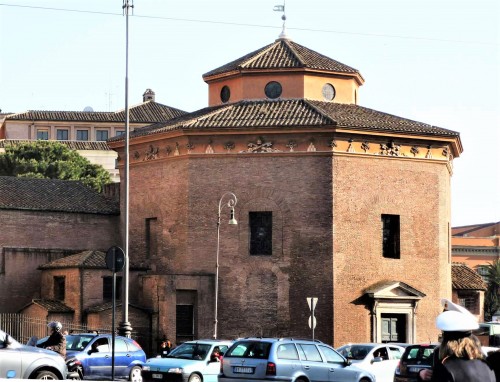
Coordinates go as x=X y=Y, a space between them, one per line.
x=55 y=325
x=454 y=321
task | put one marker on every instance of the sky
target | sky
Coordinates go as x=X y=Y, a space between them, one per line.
x=433 y=61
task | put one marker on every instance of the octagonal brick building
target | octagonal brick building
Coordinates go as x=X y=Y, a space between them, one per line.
x=334 y=200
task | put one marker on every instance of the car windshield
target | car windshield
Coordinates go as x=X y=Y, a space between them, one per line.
x=78 y=341
x=355 y=352
x=194 y=351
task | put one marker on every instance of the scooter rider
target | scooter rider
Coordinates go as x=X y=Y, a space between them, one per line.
x=56 y=341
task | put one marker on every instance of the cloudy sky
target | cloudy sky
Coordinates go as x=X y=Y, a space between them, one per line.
x=434 y=61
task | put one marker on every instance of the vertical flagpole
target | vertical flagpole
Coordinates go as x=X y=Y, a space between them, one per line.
x=125 y=327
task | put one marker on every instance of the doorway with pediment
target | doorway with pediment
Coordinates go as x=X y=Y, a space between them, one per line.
x=393 y=310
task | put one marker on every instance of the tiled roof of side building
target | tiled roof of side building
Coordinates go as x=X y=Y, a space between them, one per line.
x=292 y=113
x=54 y=195
x=73 y=145
x=465 y=278
x=87 y=260
x=52 y=306
x=147 y=112
x=283 y=54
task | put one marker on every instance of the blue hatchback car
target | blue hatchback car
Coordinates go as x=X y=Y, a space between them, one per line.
x=94 y=351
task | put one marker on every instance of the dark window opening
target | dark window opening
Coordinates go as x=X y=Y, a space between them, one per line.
x=185 y=322
x=59 y=287
x=62 y=135
x=469 y=300
x=390 y=236
x=151 y=237
x=261 y=233
x=107 y=288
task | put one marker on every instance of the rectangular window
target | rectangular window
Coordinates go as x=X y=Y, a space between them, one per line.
x=62 y=134
x=101 y=135
x=42 y=134
x=390 y=236
x=119 y=132
x=469 y=300
x=261 y=233
x=82 y=135
x=107 y=288
x=59 y=287
x=151 y=237
x=185 y=321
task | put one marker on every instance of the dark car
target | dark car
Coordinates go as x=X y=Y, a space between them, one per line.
x=94 y=351
x=415 y=358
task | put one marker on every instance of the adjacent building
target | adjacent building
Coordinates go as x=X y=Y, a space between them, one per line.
x=84 y=131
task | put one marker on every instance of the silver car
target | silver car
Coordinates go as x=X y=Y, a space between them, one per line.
x=287 y=359
x=28 y=362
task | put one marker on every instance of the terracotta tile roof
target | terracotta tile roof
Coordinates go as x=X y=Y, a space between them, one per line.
x=292 y=113
x=109 y=305
x=477 y=230
x=283 y=54
x=53 y=195
x=465 y=278
x=53 y=306
x=73 y=145
x=147 y=112
x=86 y=260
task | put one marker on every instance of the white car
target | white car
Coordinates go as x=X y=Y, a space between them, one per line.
x=28 y=362
x=379 y=359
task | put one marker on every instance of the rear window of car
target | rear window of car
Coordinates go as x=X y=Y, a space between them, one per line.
x=249 y=349
x=421 y=354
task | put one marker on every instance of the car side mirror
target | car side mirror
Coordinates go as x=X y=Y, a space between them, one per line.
x=348 y=362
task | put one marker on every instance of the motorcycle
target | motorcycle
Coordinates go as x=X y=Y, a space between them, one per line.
x=75 y=369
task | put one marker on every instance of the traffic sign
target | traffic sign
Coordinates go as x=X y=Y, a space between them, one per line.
x=312 y=301
x=313 y=319
x=115 y=259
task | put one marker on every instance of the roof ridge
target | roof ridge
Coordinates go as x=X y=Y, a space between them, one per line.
x=260 y=54
x=298 y=56
x=319 y=110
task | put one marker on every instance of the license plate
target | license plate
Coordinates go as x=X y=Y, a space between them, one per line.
x=416 y=369
x=157 y=376
x=243 y=370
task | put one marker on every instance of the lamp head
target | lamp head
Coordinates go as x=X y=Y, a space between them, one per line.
x=232 y=220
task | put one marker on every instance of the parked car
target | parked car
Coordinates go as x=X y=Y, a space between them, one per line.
x=379 y=359
x=28 y=362
x=415 y=358
x=94 y=351
x=287 y=359
x=189 y=362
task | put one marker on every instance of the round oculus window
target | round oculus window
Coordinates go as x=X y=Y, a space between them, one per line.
x=328 y=92
x=273 y=89
x=225 y=94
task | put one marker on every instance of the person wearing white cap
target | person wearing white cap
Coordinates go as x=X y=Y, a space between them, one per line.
x=460 y=358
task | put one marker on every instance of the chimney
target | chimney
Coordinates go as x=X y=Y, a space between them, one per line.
x=148 y=95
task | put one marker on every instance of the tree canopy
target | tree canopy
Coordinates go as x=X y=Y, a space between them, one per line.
x=492 y=297
x=51 y=160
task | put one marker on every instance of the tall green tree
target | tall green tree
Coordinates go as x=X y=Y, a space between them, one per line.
x=51 y=160
x=492 y=298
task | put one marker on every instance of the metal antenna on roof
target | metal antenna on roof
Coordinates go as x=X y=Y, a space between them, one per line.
x=281 y=8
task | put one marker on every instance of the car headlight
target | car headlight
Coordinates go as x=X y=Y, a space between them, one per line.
x=175 y=370
x=146 y=367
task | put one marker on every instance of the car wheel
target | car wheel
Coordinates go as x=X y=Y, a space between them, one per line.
x=45 y=374
x=364 y=380
x=136 y=374
x=195 y=378
x=300 y=380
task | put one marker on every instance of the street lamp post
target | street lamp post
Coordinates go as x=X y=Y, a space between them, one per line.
x=230 y=202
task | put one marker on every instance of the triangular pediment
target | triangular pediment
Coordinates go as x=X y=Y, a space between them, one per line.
x=393 y=290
